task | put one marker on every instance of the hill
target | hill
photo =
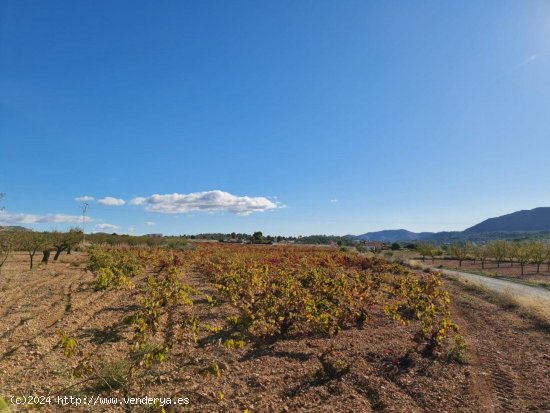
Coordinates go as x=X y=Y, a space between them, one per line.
x=525 y=223
x=392 y=235
x=537 y=219
x=12 y=228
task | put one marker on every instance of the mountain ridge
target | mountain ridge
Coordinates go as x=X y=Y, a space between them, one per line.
x=532 y=220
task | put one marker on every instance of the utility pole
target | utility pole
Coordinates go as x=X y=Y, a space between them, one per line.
x=84 y=209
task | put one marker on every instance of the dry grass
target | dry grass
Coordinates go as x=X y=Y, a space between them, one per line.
x=529 y=308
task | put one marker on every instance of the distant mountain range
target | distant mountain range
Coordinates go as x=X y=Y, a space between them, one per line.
x=533 y=220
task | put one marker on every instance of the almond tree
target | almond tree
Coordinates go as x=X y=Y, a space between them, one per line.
x=499 y=251
x=539 y=253
x=512 y=252
x=523 y=254
x=484 y=252
x=476 y=252
x=424 y=250
x=6 y=247
x=65 y=241
x=434 y=252
x=460 y=251
x=31 y=242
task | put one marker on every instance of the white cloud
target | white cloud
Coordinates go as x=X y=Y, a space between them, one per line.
x=131 y=229
x=138 y=200
x=18 y=218
x=333 y=201
x=110 y=201
x=209 y=201
x=150 y=223
x=84 y=198
x=105 y=226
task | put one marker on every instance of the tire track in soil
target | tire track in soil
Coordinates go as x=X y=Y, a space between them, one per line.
x=499 y=378
x=502 y=383
x=493 y=384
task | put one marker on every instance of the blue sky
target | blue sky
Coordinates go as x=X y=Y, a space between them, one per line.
x=305 y=116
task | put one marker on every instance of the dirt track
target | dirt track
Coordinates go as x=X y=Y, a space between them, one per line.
x=537 y=295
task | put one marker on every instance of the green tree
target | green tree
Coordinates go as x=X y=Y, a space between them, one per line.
x=435 y=252
x=31 y=242
x=460 y=251
x=547 y=260
x=539 y=253
x=512 y=252
x=65 y=241
x=424 y=250
x=6 y=247
x=523 y=254
x=499 y=251
x=484 y=253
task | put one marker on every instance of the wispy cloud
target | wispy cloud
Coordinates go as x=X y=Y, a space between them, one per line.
x=208 y=201
x=523 y=63
x=110 y=201
x=20 y=218
x=150 y=223
x=333 y=201
x=84 y=198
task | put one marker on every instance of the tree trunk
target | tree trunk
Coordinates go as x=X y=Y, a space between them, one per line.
x=32 y=258
x=538 y=267
x=46 y=256
x=68 y=250
x=460 y=263
x=498 y=264
x=58 y=252
x=482 y=264
x=521 y=268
